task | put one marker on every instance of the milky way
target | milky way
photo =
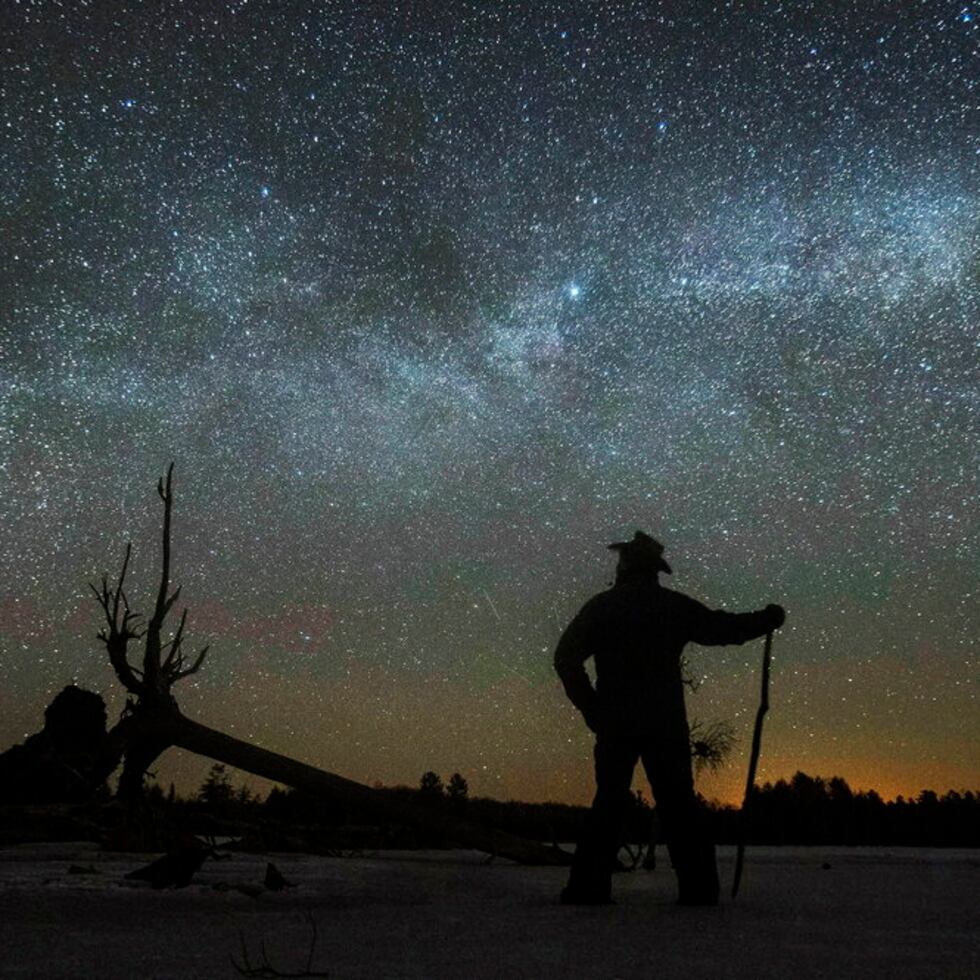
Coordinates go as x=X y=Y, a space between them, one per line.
x=430 y=302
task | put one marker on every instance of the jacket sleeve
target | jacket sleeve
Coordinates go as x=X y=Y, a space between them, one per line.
x=714 y=627
x=574 y=648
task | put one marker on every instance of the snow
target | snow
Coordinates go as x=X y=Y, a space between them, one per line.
x=873 y=913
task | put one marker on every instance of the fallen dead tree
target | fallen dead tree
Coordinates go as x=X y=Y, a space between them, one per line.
x=153 y=722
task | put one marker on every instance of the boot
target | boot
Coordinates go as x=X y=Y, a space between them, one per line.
x=697 y=876
x=587 y=885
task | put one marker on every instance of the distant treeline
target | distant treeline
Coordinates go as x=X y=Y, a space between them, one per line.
x=810 y=810
x=803 y=810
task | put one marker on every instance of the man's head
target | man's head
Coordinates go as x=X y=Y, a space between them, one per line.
x=641 y=556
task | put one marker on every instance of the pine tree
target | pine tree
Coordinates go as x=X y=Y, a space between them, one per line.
x=216 y=792
x=457 y=791
x=430 y=786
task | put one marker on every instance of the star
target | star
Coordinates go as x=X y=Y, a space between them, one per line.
x=425 y=313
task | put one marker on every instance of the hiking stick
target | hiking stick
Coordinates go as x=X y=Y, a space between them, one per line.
x=753 y=762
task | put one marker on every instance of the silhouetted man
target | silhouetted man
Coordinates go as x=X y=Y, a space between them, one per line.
x=635 y=633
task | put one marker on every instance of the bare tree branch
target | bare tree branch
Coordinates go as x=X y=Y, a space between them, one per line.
x=265 y=969
x=169 y=604
x=194 y=667
x=166 y=495
x=118 y=631
x=155 y=679
x=174 y=644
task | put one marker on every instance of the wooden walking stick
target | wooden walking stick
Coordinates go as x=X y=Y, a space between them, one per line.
x=753 y=762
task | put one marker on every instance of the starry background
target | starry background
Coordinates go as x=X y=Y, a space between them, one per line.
x=429 y=302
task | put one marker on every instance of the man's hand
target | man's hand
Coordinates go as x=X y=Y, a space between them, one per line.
x=777 y=614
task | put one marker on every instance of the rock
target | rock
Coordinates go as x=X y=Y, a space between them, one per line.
x=67 y=761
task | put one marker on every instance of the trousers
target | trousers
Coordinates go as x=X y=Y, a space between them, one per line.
x=667 y=763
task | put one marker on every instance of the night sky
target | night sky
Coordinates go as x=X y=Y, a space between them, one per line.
x=429 y=302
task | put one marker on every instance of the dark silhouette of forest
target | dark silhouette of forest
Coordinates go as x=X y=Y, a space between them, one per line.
x=68 y=763
x=810 y=810
x=65 y=768
x=804 y=810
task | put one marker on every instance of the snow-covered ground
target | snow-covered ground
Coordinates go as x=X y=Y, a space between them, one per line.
x=872 y=913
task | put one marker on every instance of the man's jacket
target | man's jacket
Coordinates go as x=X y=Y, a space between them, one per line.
x=636 y=632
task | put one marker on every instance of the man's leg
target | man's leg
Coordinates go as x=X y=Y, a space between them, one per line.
x=590 y=881
x=692 y=853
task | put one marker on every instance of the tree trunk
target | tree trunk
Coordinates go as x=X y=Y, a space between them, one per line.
x=141 y=753
x=195 y=737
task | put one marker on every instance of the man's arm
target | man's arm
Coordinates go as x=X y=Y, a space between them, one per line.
x=573 y=649
x=714 y=627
